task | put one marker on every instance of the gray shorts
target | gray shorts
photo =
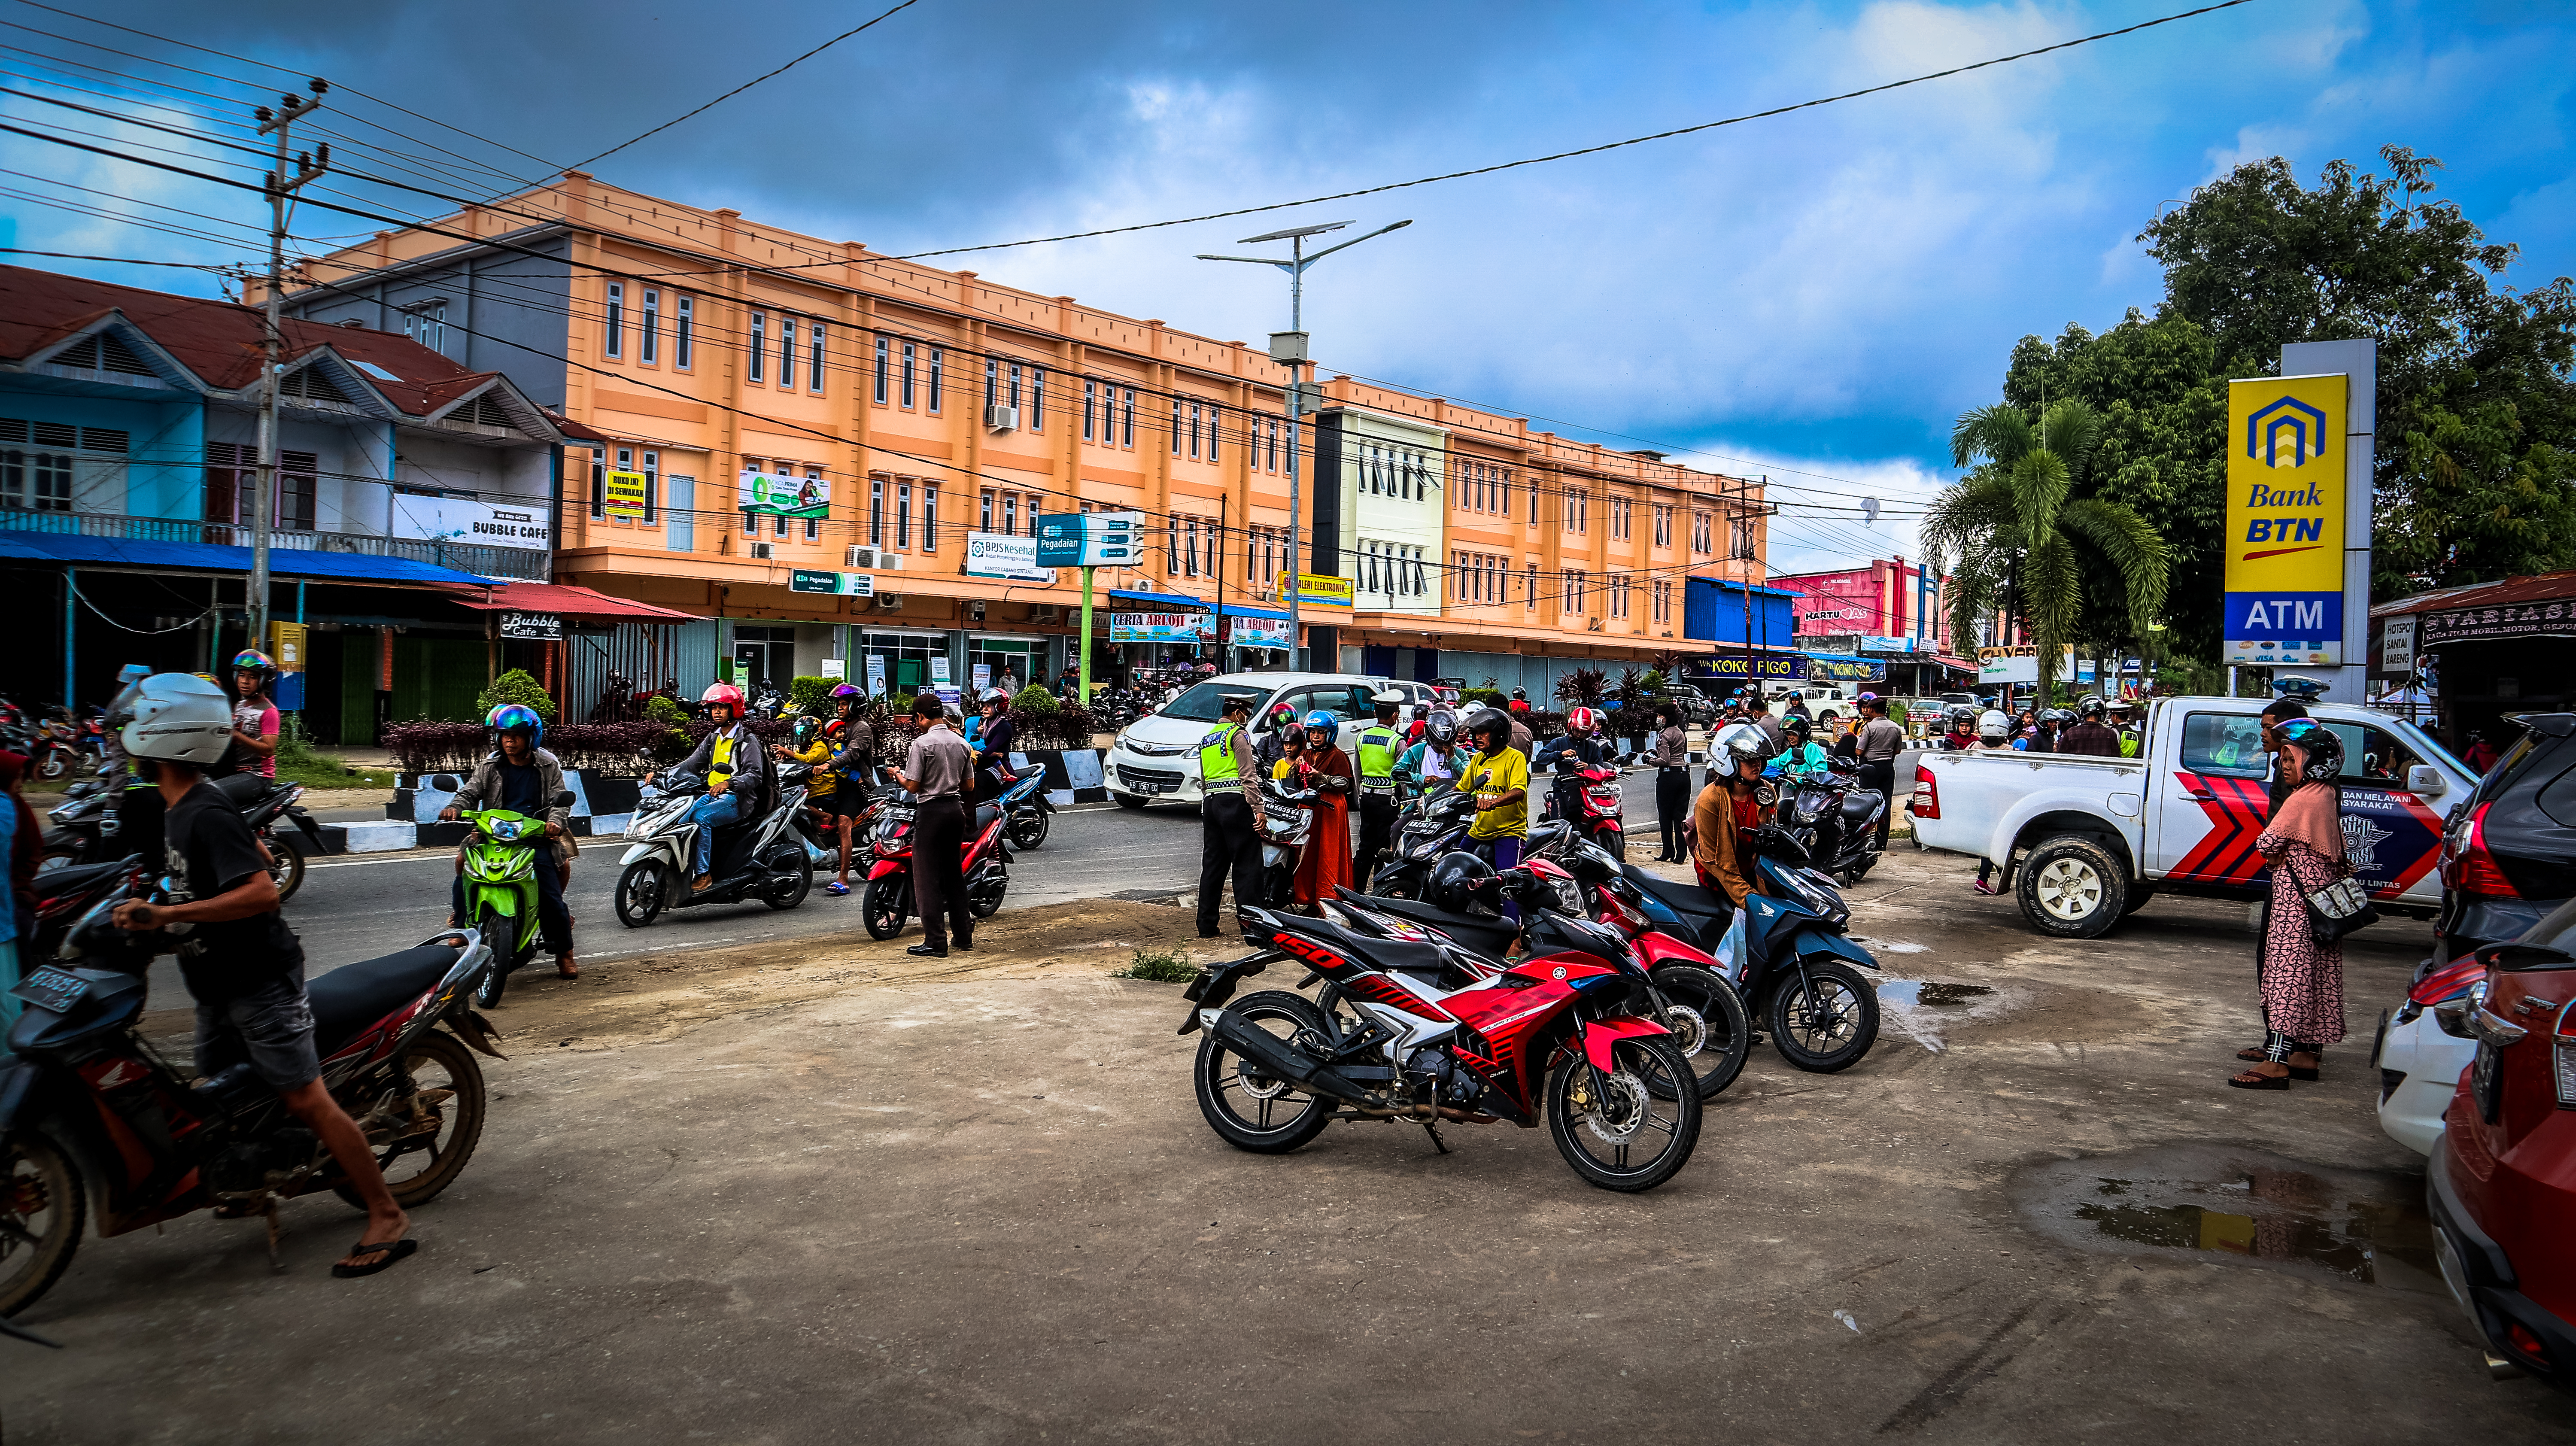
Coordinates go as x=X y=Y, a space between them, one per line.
x=272 y=1027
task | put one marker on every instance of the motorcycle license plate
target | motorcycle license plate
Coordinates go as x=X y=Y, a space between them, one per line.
x=52 y=990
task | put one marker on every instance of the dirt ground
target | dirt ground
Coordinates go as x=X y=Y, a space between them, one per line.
x=748 y=1199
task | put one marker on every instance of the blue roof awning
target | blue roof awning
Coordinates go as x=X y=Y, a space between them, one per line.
x=1238 y=610
x=1159 y=599
x=73 y=549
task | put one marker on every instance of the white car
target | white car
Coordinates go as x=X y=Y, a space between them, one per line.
x=1156 y=758
x=2420 y=1052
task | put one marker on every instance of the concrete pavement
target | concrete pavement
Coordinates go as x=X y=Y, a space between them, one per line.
x=807 y=1196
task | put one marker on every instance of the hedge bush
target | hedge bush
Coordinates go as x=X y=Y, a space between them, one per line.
x=427 y=746
x=662 y=708
x=1033 y=699
x=613 y=750
x=516 y=686
x=1481 y=697
x=812 y=695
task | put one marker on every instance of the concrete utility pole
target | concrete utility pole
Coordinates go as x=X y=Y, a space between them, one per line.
x=281 y=188
x=1290 y=349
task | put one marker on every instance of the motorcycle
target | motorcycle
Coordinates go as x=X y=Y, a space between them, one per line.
x=1703 y=1011
x=94 y=1125
x=57 y=747
x=1837 y=820
x=1599 y=813
x=1437 y=824
x=86 y=824
x=1023 y=799
x=1786 y=951
x=1563 y=1038
x=65 y=895
x=502 y=857
x=985 y=863
x=762 y=858
x=1283 y=818
x=766 y=700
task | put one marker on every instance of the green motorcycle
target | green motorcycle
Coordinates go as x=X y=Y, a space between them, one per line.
x=502 y=857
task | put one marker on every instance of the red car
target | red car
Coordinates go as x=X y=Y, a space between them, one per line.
x=2502 y=1185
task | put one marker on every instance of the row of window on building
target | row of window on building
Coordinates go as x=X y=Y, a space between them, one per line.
x=1487 y=579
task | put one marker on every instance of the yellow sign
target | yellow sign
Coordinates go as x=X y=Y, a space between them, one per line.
x=2285 y=509
x=286 y=645
x=623 y=494
x=1316 y=590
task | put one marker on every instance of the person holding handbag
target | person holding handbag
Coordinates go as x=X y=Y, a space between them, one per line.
x=2301 y=972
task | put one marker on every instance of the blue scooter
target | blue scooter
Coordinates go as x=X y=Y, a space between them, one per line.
x=1025 y=804
x=1785 y=951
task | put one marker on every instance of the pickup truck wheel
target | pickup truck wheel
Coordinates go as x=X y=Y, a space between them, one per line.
x=2073 y=887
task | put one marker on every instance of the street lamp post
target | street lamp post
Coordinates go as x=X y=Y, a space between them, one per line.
x=1290 y=349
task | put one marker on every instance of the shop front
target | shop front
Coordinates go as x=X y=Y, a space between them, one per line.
x=1007 y=660
x=1153 y=631
x=1255 y=639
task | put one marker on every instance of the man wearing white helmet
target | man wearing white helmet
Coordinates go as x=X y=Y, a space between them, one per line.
x=241 y=963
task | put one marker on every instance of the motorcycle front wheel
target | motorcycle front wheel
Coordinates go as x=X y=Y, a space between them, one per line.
x=436 y=1123
x=1709 y=1024
x=1029 y=830
x=41 y=1211
x=1253 y=1111
x=884 y=905
x=1825 y=1022
x=1640 y=1131
x=639 y=892
x=500 y=937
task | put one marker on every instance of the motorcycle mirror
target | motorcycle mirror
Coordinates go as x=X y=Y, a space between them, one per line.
x=563 y=798
x=445 y=782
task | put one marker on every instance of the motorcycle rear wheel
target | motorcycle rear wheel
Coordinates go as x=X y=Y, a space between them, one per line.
x=500 y=936
x=436 y=1061
x=1029 y=830
x=1601 y=1139
x=1714 y=1032
x=792 y=858
x=1830 y=1031
x=883 y=907
x=285 y=866
x=1252 y=1111
x=639 y=892
x=35 y=1173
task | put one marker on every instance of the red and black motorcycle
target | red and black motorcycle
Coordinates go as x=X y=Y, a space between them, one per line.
x=985 y=861
x=89 y=1109
x=1565 y=1036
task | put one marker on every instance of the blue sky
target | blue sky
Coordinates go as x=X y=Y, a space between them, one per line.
x=1813 y=294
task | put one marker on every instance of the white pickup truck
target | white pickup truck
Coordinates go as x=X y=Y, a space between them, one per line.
x=2085 y=841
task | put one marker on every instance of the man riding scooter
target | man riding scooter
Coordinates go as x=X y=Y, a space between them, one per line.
x=523 y=778
x=1498 y=775
x=853 y=766
x=739 y=781
x=1568 y=754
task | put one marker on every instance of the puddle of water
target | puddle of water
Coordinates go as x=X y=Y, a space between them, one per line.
x=2197 y=1201
x=1890 y=946
x=1903 y=1001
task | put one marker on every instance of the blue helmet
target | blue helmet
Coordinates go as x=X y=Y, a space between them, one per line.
x=511 y=717
x=1321 y=719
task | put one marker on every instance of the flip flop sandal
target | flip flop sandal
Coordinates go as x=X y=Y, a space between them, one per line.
x=2250 y=1080
x=393 y=1253
x=836 y=888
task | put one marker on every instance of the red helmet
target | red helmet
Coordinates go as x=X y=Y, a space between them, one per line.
x=725 y=693
x=1582 y=720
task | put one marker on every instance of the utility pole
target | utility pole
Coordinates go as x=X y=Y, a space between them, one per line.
x=281 y=189
x=1290 y=349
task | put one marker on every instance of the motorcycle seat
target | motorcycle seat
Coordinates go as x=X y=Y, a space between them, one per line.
x=1404 y=956
x=350 y=998
x=77 y=878
x=242 y=790
x=1682 y=898
x=1859 y=807
x=986 y=815
x=1489 y=937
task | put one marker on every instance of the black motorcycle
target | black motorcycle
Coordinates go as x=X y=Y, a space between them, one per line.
x=1837 y=821
x=85 y=824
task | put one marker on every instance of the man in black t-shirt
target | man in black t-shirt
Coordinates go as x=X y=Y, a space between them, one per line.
x=241 y=963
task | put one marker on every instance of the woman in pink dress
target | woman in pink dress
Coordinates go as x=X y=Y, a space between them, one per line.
x=2301 y=979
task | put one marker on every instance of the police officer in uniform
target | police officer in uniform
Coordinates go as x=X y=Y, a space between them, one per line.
x=1227 y=841
x=1380 y=745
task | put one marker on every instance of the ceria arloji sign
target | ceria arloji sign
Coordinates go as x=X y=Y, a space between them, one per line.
x=2285 y=511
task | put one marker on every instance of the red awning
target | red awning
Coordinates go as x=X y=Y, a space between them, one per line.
x=1961 y=664
x=566 y=601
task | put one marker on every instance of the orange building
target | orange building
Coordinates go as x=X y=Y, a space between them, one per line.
x=839 y=456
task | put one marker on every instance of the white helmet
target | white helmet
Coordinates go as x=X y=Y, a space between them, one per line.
x=1993 y=726
x=1741 y=743
x=996 y=695
x=180 y=717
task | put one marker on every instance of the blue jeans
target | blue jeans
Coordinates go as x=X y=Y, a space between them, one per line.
x=708 y=812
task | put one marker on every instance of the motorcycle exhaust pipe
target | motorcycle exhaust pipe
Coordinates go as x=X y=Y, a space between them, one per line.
x=1283 y=1060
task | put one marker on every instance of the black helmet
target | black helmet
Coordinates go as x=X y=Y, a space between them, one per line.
x=2323 y=748
x=2091 y=706
x=1441 y=727
x=1456 y=881
x=1797 y=726
x=803 y=729
x=1961 y=717
x=1491 y=721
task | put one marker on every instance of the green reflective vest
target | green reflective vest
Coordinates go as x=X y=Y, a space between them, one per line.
x=1217 y=773
x=1378 y=750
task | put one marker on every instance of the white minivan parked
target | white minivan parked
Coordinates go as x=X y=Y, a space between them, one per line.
x=1156 y=758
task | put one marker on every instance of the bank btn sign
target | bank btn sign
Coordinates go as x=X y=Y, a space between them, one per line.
x=2285 y=507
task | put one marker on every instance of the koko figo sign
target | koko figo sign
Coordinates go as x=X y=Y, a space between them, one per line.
x=2285 y=520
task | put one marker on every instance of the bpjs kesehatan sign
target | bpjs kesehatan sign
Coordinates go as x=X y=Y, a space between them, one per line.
x=773 y=494
x=2285 y=509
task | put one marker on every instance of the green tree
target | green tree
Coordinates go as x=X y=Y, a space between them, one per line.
x=2023 y=538
x=2476 y=414
x=516 y=686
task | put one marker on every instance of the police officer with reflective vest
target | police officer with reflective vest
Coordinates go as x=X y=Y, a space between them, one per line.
x=1380 y=745
x=1228 y=841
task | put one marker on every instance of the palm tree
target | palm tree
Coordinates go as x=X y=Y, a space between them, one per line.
x=2020 y=542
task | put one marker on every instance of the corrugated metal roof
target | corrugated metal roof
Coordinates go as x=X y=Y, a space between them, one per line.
x=2542 y=587
x=565 y=600
x=215 y=557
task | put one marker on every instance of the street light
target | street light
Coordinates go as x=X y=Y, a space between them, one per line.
x=1289 y=349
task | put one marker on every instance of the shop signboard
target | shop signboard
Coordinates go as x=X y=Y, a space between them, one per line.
x=2397 y=646
x=532 y=627
x=1005 y=555
x=2509 y=620
x=622 y=495
x=462 y=519
x=1166 y=627
x=2008 y=665
x=1315 y=590
x=843 y=584
x=1767 y=667
x=1090 y=539
x=775 y=494
x=1839 y=670
x=1886 y=645
x=2285 y=514
x=1257 y=632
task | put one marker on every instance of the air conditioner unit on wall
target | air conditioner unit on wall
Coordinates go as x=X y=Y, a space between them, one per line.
x=1046 y=613
x=1001 y=419
x=975 y=612
x=889 y=602
x=889 y=562
x=859 y=557
x=765 y=551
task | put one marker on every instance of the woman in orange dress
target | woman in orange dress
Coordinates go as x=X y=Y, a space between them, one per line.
x=1325 y=768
